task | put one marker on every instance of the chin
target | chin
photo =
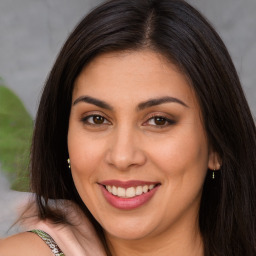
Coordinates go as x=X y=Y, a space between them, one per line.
x=124 y=235
x=129 y=231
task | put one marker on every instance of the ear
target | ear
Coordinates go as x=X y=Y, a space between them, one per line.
x=214 y=161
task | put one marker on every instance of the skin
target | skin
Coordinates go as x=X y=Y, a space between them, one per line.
x=130 y=144
x=78 y=239
x=24 y=244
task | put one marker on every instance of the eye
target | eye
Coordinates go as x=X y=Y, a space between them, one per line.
x=95 y=120
x=159 y=121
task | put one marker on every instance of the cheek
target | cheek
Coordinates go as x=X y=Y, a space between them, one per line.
x=184 y=154
x=183 y=164
x=84 y=156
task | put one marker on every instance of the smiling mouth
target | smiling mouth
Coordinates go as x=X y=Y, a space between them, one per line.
x=129 y=192
x=128 y=195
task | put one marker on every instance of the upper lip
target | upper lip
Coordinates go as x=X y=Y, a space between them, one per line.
x=127 y=184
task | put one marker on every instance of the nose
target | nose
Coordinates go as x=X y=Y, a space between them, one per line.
x=125 y=150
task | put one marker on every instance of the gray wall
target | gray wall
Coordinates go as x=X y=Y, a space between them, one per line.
x=32 y=32
x=235 y=20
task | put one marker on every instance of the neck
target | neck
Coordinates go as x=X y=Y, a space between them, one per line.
x=177 y=240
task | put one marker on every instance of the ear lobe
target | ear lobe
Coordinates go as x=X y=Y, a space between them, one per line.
x=214 y=161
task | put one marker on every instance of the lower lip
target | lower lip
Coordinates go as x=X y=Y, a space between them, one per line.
x=128 y=203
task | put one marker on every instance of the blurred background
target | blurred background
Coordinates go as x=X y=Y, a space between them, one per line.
x=31 y=34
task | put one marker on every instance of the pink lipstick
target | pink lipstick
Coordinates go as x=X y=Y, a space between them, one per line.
x=128 y=195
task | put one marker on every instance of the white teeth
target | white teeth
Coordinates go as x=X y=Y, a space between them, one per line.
x=120 y=192
x=145 y=189
x=138 y=191
x=114 y=191
x=129 y=192
x=151 y=187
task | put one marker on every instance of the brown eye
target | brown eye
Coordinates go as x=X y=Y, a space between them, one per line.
x=160 y=120
x=95 y=120
x=98 y=119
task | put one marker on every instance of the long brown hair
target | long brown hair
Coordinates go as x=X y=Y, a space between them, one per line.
x=173 y=28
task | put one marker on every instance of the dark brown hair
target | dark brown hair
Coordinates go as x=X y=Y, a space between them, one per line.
x=173 y=28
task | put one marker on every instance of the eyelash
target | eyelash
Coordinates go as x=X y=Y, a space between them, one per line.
x=85 y=120
x=166 y=120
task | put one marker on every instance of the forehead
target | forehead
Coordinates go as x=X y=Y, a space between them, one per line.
x=132 y=74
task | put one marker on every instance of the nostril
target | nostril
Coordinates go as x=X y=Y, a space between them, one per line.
x=125 y=158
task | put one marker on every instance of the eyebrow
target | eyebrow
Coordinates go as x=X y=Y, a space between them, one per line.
x=96 y=102
x=141 y=106
x=159 y=101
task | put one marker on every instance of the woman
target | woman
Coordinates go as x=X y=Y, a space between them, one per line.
x=146 y=106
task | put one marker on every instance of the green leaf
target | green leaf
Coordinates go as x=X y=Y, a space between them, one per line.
x=16 y=127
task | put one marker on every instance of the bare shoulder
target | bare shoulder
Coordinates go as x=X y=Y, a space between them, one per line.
x=26 y=243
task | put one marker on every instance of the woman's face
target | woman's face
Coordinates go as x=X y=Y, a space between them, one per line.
x=138 y=149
